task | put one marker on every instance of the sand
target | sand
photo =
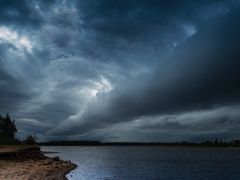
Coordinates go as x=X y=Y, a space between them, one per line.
x=33 y=165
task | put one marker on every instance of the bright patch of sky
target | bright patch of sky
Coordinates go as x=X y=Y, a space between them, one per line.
x=12 y=37
x=190 y=30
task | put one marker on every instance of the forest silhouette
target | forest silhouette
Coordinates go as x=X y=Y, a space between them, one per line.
x=8 y=132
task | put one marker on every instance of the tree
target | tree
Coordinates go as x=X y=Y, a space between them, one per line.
x=7 y=130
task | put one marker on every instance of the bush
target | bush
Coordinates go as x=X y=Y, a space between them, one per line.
x=31 y=139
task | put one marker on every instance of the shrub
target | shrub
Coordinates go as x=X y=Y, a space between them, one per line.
x=31 y=139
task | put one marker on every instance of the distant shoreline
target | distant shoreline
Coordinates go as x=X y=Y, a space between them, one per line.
x=31 y=163
x=216 y=143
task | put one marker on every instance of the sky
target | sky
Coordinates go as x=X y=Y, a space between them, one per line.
x=120 y=70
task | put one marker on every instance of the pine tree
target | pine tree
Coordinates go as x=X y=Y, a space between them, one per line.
x=7 y=129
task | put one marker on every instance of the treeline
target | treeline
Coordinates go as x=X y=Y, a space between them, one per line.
x=8 y=132
x=208 y=143
x=70 y=143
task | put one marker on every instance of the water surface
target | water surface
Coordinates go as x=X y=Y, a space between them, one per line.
x=151 y=163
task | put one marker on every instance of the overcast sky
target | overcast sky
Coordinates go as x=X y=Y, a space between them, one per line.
x=121 y=70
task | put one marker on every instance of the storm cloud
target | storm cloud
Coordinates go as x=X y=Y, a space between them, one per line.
x=121 y=70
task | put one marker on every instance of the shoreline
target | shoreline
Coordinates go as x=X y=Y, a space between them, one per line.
x=32 y=164
x=207 y=143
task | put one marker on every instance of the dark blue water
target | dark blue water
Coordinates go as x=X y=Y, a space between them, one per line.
x=151 y=163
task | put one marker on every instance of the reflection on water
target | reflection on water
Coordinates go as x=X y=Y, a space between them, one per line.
x=134 y=163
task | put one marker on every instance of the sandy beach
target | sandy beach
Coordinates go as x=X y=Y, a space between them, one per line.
x=33 y=165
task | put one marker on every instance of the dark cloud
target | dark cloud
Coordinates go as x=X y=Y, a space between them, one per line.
x=201 y=73
x=157 y=22
x=20 y=13
x=96 y=69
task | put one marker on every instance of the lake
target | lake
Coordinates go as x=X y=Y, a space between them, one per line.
x=150 y=163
